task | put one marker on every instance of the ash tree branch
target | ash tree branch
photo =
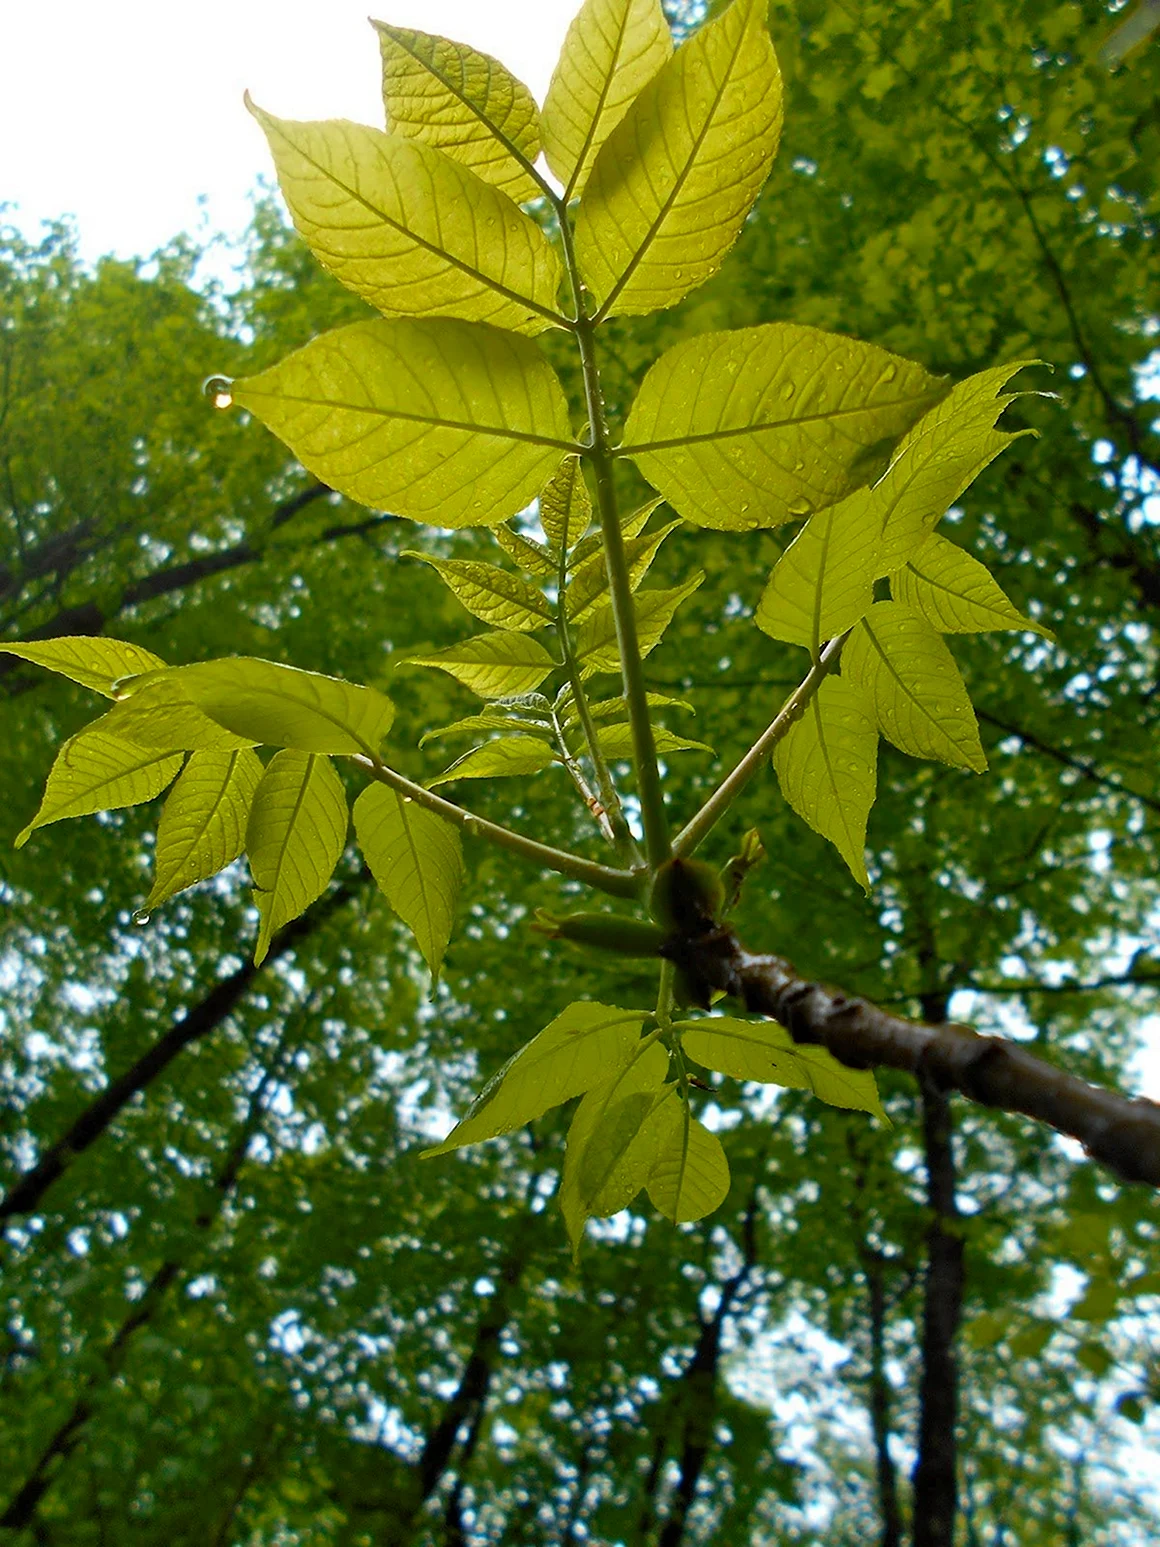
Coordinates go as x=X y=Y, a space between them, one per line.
x=1120 y=1132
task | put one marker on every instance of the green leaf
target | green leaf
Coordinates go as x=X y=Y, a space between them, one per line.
x=465 y=104
x=408 y=229
x=572 y=1054
x=616 y=741
x=441 y=421
x=612 y=1146
x=615 y=708
x=282 y=706
x=203 y=822
x=490 y=593
x=417 y=861
x=751 y=428
x=826 y=769
x=764 y=1051
x=154 y=711
x=630 y=526
x=612 y=50
x=955 y=592
x=92 y=661
x=529 y=555
x=690 y=1177
x=675 y=179
x=908 y=680
x=489 y=720
x=493 y=665
x=294 y=838
x=499 y=760
x=596 y=636
x=589 y=582
x=565 y=509
x=95 y=771
x=824 y=581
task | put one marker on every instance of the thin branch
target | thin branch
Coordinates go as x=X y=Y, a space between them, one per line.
x=1089 y=770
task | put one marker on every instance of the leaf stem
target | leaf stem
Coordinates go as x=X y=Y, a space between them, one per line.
x=617 y=883
x=695 y=831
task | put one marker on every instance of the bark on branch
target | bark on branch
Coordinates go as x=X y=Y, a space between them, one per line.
x=1120 y=1132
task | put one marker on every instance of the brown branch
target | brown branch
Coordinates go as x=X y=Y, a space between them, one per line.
x=196 y=1023
x=886 y=1473
x=1121 y=1133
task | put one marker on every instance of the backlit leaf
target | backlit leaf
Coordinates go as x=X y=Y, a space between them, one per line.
x=463 y=102
x=565 y=509
x=690 y=1177
x=674 y=181
x=91 y=660
x=826 y=768
x=499 y=760
x=613 y=49
x=155 y=711
x=492 y=594
x=203 y=822
x=616 y=741
x=489 y=720
x=907 y=678
x=955 y=592
x=411 y=231
x=294 y=838
x=751 y=428
x=417 y=861
x=765 y=1051
x=616 y=708
x=442 y=421
x=95 y=771
x=589 y=582
x=493 y=665
x=824 y=581
x=596 y=636
x=630 y=526
x=584 y=1045
x=529 y=555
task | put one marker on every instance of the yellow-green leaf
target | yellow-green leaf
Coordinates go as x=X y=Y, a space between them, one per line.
x=95 y=771
x=442 y=421
x=464 y=103
x=281 y=706
x=499 y=760
x=616 y=741
x=612 y=50
x=675 y=179
x=91 y=660
x=579 y=1049
x=630 y=526
x=493 y=665
x=824 y=581
x=589 y=582
x=907 y=678
x=764 y=1051
x=492 y=594
x=690 y=1176
x=751 y=428
x=826 y=769
x=529 y=555
x=294 y=838
x=565 y=509
x=955 y=592
x=417 y=861
x=411 y=231
x=617 y=708
x=489 y=720
x=203 y=821
x=153 y=710
x=596 y=636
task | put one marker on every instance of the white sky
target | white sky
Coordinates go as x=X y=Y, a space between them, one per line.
x=123 y=113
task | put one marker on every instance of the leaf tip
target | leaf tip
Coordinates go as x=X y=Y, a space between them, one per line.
x=24 y=835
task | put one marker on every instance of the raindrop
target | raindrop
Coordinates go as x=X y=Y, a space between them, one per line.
x=219 y=390
x=141 y=918
x=800 y=506
x=788 y=390
x=888 y=374
x=798 y=467
x=744 y=505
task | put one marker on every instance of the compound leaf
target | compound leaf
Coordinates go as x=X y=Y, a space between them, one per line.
x=464 y=103
x=499 y=760
x=955 y=592
x=294 y=838
x=826 y=768
x=612 y=50
x=596 y=637
x=572 y=1054
x=442 y=421
x=492 y=594
x=908 y=679
x=690 y=1176
x=750 y=428
x=764 y=1051
x=411 y=231
x=417 y=861
x=675 y=179
x=96 y=771
x=203 y=821
x=529 y=555
x=92 y=661
x=565 y=509
x=589 y=582
x=616 y=741
x=493 y=665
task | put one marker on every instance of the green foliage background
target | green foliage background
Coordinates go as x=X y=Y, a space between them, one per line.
x=328 y=1328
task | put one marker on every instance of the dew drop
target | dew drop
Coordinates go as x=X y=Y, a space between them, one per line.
x=888 y=374
x=219 y=390
x=788 y=390
x=800 y=507
x=798 y=467
x=140 y=918
x=744 y=505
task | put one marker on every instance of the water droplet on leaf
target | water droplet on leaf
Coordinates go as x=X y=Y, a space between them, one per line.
x=800 y=506
x=788 y=390
x=141 y=918
x=888 y=374
x=219 y=390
